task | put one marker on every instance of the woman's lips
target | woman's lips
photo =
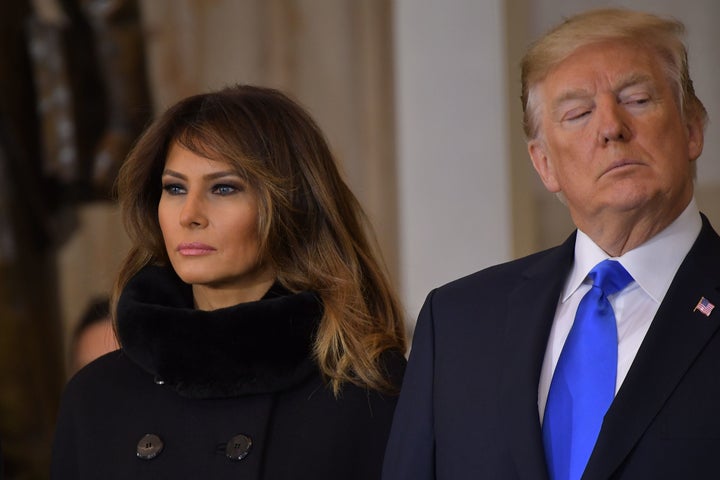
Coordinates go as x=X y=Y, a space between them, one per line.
x=194 y=249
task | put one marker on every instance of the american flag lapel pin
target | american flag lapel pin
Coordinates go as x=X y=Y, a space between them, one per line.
x=704 y=306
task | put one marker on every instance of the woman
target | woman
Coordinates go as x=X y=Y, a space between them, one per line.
x=260 y=337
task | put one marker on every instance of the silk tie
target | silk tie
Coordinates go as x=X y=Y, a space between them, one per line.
x=583 y=385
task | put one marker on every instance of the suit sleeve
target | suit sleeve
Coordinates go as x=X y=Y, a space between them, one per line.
x=410 y=453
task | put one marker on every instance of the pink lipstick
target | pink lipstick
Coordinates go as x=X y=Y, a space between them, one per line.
x=193 y=249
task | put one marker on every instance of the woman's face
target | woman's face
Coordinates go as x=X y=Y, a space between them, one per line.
x=208 y=215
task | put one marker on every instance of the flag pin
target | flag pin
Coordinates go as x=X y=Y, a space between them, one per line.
x=704 y=306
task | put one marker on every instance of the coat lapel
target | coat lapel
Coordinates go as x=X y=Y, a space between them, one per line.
x=531 y=310
x=676 y=337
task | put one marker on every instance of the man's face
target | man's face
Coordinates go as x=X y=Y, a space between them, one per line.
x=612 y=139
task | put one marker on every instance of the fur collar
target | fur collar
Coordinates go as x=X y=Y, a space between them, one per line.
x=255 y=347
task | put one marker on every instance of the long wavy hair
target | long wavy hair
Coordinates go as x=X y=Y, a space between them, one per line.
x=312 y=230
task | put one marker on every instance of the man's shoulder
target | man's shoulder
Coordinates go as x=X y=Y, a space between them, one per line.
x=499 y=274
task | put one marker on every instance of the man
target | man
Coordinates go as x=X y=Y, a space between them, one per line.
x=491 y=390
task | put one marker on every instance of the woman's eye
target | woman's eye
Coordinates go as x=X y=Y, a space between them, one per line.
x=174 y=189
x=225 y=189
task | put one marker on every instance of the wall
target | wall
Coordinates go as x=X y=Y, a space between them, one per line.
x=452 y=135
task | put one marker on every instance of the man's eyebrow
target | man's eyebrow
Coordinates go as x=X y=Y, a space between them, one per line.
x=633 y=79
x=568 y=96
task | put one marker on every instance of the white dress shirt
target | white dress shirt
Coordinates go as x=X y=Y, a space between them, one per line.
x=652 y=265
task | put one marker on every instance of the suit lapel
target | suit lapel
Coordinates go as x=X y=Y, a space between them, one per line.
x=531 y=309
x=676 y=337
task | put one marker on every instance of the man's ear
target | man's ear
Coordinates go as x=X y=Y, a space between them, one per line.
x=696 y=137
x=543 y=165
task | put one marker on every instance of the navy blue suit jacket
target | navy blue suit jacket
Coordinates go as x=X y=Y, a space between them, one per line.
x=468 y=407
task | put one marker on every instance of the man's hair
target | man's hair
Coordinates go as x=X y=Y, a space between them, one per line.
x=664 y=36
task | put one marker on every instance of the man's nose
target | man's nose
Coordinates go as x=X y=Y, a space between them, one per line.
x=612 y=123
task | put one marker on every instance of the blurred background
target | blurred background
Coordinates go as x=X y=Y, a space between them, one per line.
x=419 y=100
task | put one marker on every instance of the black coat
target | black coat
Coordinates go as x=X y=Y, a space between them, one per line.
x=197 y=380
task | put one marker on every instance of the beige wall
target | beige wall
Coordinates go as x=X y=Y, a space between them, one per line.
x=452 y=135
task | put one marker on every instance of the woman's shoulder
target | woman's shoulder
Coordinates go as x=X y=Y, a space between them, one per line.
x=392 y=364
x=107 y=375
x=358 y=400
x=350 y=428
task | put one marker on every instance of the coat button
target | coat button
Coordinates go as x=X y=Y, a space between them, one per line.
x=238 y=447
x=149 y=446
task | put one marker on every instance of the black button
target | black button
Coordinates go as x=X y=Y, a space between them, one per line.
x=149 y=446
x=238 y=447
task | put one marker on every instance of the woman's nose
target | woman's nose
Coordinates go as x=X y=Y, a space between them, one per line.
x=193 y=213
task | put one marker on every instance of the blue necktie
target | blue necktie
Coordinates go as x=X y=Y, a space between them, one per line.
x=583 y=385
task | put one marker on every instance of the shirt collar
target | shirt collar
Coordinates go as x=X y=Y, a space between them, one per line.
x=653 y=264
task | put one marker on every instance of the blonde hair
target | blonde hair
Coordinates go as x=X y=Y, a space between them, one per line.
x=661 y=35
x=312 y=230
